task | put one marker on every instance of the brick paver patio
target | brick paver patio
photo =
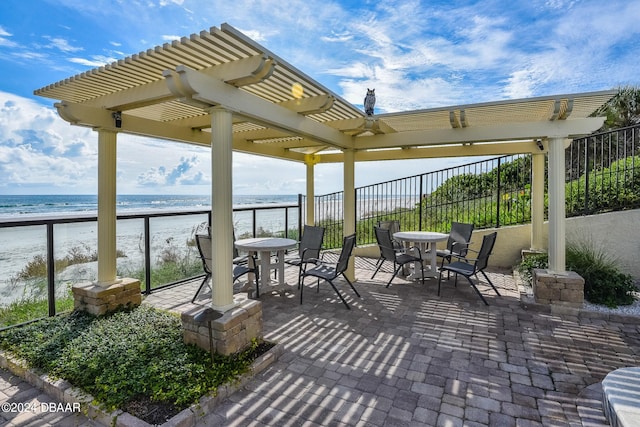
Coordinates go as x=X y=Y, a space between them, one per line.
x=404 y=356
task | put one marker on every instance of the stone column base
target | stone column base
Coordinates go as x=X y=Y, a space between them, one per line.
x=98 y=299
x=231 y=333
x=561 y=289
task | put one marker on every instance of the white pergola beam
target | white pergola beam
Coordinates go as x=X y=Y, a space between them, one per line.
x=196 y=87
x=311 y=105
x=81 y=115
x=466 y=150
x=267 y=150
x=498 y=132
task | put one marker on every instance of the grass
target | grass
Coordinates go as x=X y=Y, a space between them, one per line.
x=128 y=359
x=27 y=309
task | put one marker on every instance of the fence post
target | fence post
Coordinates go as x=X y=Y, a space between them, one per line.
x=147 y=256
x=300 y=215
x=586 y=176
x=253 y=220
x=420 y=204
x=51 y=271
x=498 y=195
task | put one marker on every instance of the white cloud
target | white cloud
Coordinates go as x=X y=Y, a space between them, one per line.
x=96 y=61
x=337 y=37
x=61 y=44
x=39 y=150
x=170 y=38
x=4 y=40
x=560 y=4
x=180 y=174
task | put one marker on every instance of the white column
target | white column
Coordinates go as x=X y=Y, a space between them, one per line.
x=557 y=209
x=310 y=160
x=349 y=202
x=221 y=209
x=537 y=201
x=106 y=207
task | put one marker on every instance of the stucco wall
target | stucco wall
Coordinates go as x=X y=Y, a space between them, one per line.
x=618 y=233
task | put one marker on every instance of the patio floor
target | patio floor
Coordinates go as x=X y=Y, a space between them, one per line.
x=404 y=356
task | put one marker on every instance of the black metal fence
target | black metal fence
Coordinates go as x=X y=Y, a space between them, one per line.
x=603 y=173
x=64 y=249
x=488 y=193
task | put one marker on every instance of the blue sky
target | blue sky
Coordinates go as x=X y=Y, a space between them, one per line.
x=416 y=54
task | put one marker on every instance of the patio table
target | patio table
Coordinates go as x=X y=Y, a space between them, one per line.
x=426 y=241
x=264 y=246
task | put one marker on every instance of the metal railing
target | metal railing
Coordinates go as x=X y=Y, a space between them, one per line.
x=154 y=235
x=488 y=193
x=603 y=172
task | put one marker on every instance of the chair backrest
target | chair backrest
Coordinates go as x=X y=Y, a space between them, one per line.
x=393 y=225
x=311 y=241
x=383 y=236
x=204 y=247
x=348 y=244
x=485 y=250
x=459 y=237
x=236 y=254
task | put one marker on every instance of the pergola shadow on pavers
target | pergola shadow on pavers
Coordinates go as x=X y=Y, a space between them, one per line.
x=402 y=355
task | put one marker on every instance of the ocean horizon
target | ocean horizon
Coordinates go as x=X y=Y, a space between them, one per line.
x=12 y=206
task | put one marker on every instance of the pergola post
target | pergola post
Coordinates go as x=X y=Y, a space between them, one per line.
x=557 y=210
x=537 y=201
x=230 y=323
x=349 y=202
x=107 y=141
x=310 y=161
x=221 y=208
x=555 y=285
x=108 y=293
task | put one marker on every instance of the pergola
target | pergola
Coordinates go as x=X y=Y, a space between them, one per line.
x=221 y=89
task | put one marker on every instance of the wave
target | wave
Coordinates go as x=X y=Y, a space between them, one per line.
x=29 y=205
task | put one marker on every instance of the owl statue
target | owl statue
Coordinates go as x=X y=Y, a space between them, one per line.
x=369 y=101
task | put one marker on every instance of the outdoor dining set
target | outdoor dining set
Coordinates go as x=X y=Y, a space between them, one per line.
x=413 y=254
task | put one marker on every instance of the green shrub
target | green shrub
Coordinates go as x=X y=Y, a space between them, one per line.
x=609 y=188
x=37 y=266
x=130 y=355
x=528 y=263
x=604 y=284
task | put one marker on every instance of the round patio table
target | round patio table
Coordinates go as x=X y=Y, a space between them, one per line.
x=264 y=246
x=426 y=241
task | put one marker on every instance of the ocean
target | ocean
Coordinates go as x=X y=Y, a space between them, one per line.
x=21 y=245
x=24 y=206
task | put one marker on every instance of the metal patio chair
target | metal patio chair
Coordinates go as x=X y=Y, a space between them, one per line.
x=308 y=249
x=399 y=257
x=457 y=243
x=330 y=274
x=471 y=267
x=204 y=248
